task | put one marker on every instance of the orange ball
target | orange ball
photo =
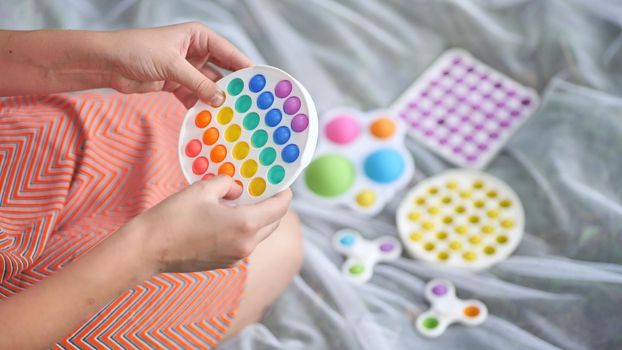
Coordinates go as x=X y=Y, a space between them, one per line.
x=383 y=128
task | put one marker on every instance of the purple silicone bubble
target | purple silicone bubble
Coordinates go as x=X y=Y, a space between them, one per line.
x=283 y=88
x=482 y=146
x=494 y=135
x=386 y=247
x=511 y=93
x=291 y=105
x=439 y=290
x=471 y=158
x=442 y=141
x=515 y=113
x=300 y=122
x=526 y=102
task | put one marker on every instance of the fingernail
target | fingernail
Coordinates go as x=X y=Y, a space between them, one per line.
x=218 y=99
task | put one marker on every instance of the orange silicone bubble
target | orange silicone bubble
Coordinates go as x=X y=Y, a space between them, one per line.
x=218 y=153
x=383 y=128
x=226 y=169
x=203 y=119
x=471 y=311
x=239 y=183
x=210 y=136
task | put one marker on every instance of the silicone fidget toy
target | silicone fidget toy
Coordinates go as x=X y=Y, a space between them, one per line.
x=446 y=309
x=361 y=161
x=263 y=135
x=461 y=218
x=463 y=109
x=363 y=254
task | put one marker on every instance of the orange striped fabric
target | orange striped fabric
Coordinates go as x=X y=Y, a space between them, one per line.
x=76 y=167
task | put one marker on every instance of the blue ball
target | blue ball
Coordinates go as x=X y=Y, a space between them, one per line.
x=281 y=135
x=290 y=153
x=347 y=240
x=273 y=117
x=265 y=99
x=384 y=165
x=257 y=83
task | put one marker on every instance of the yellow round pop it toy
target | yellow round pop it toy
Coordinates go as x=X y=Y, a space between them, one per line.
x=461 y=218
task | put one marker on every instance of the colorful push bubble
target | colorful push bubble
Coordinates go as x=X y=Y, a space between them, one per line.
x=446 y=308
x=467 y=219
x=263 y=135
x=362 y=254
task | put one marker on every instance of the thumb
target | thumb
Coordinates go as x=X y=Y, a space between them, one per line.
x=223 y=186
x=187 y=75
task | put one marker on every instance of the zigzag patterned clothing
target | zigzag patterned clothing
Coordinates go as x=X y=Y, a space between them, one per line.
x=76 y=167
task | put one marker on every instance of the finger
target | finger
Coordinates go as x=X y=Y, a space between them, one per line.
x=211 y=73
x=185 y=96
x=266 y=231
x=221 y=52
x=268 y=211
x=222 y=186
x=187 y=75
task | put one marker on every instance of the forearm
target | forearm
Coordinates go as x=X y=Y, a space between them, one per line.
x=48 y=311
x=47 y=61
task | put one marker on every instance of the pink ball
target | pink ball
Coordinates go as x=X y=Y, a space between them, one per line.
x=342 y=129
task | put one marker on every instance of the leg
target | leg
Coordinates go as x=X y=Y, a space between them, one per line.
x=273 y=265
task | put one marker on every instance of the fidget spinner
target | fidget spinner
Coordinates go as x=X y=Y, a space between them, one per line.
x=446 y=308
x=362 y=254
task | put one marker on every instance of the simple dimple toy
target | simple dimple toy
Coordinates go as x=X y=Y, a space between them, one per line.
x=446 y=308
x=263 y=136
x=461 y=218
x=363 y=254
x=361 y=161
x=463 y=109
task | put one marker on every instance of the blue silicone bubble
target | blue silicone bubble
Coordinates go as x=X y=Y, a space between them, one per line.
x=290 y=153
x=265 y=99
x=257 y=83
x=281 y=135
x=273 y=117
x=384 y=165
x=347 y=240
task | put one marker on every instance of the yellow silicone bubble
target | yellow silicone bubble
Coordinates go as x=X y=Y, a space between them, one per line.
x=460 y=209
x=461 y=229
x=493 y=214
x=469 y=256
x=479 y=184
x=446 y=200
x=474 y=219
x=416 y=236
x=233 y=132
x=452 y=185
x=366 y=198
x=487 y=229
x=225 y=115
x=465 y=194
x=448 y=220
x=257 y=186
x=491 y=194
x=420 y=201
x=414 y=216
x=475 y=239
x=441 y=235
x=428 y=225
x=479 y=204
x=502 y=239
x=429 y=246
x=240 y=150
x=432 y=190
x=506 y=203
x=489 y=250
x=248 y=168
x=442 y=256
x=434 y=210
x=507 y=223
x=455 y=245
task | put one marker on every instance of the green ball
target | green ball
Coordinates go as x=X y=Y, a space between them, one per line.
x=330 y=175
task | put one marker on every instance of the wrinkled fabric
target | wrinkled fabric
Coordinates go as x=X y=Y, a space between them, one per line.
x=562 y=288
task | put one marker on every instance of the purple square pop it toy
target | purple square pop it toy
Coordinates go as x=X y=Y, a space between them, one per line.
x=463 y=109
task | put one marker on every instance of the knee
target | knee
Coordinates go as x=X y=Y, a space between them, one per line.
x=292 y=240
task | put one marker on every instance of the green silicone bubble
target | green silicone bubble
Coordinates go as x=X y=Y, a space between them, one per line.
x=430 y=323
x=251 y=121
x=330 y=175
x=276 y=174
x=243 y=104
x=267 y=156
x=259 y=138
x=235 y=86
x=356 y=269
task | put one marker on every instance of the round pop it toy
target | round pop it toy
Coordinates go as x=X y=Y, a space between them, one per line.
x=263 y=135
x=461 y=218
x=361 y=161
x=446 y=308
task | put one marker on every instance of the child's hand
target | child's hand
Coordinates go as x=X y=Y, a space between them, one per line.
x=173 y=58
x=192 y=231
